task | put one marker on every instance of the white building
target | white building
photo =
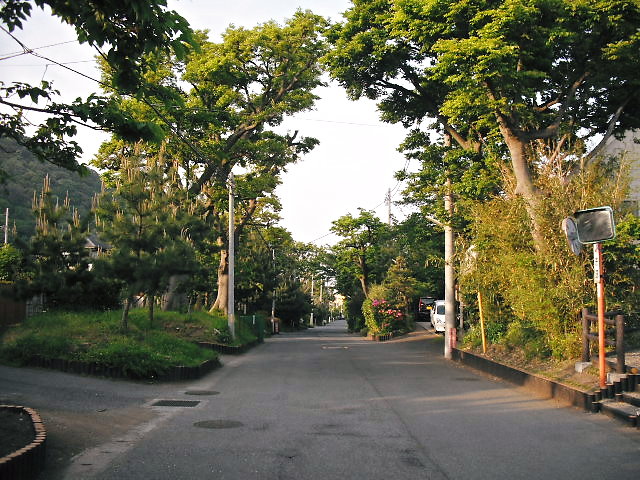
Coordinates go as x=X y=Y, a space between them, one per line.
x=631 y=151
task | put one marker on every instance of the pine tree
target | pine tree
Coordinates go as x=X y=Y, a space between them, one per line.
x=148 y=227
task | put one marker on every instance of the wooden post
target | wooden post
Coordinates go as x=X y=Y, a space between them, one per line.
x=484 y=337
x=620 y=368
x=586 y=330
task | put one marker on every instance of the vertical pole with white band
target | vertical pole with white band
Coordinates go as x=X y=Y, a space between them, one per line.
x=231 y=319
x=598 y=278
x=450 y=331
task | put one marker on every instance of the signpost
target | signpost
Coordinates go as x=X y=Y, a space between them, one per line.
x=594 y=225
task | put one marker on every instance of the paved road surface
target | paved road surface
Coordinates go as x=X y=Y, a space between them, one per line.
x=324 y=404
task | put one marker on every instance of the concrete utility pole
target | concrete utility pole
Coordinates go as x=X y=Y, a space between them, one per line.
x=273 y=296
x=449 y=272
x=387 y=200
x=6 y=227
x=231 y=319
x=311 y=319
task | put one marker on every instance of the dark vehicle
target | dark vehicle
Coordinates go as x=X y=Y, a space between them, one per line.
x=425 y=304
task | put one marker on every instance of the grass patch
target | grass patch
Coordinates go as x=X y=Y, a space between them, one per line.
x=143 y=351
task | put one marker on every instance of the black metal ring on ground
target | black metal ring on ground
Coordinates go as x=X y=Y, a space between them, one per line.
x=28 y=461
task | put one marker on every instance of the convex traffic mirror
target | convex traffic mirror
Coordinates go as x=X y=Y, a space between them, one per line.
x=595 y=224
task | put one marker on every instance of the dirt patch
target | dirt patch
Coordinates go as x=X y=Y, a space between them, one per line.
x=16 y=430
x=191 y=331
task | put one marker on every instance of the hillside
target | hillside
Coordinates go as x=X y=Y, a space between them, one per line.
x=25 y=174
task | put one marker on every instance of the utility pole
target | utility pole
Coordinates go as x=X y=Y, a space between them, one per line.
x=311 y=320
x=6 y=227
x=387 y=200
x=450 y=331
x=231 y=319
x=273 y=296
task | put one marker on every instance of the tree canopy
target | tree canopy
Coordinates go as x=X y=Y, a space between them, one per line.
x=123 y=34
x=531 y=80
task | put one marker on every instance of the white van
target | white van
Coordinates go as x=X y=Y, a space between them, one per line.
x=437 y=316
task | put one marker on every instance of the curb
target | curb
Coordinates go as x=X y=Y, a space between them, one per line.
x=27 y=462
x=531 y=382
x=380 y=338
x=609 y=400
x=228 y=349
x=174 y=373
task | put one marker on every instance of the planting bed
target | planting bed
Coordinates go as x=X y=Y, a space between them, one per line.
x=22 y=442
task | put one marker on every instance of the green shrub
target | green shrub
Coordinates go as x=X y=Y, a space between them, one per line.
x=380 y=317
x=32 y=344
x=537 y=289
x=96 y=337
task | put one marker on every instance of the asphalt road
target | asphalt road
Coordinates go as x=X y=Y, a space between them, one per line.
x=321 y=404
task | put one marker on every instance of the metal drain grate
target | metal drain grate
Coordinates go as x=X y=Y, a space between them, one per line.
x=175 y=403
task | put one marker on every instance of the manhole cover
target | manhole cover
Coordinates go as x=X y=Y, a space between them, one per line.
x=201 y=392
x=175 y=403
x=218 y=424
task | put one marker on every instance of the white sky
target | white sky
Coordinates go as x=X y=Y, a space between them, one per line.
x=352 y=167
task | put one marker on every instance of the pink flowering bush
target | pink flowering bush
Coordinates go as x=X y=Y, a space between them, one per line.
x=380 y=317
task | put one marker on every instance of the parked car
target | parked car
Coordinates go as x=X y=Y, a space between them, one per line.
x=437 y=316
x=425 y=304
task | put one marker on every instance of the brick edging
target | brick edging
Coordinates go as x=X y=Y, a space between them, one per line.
x=28 y=461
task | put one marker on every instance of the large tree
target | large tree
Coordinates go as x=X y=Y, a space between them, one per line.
x=123 y=34
x=223 y=104
x=359 y=251
x=150 y=226
x=532 y=80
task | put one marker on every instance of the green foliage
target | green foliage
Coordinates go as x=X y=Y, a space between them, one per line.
x=10 y=260
x=56 y=262
x=241 y=90
x=508 y=83
x=381 y=318
x=146 y=222
x=532 y=295
x=401 y=285
x=622 y=263
x=292 y=304
x=91 y=336
x=360 y=253
x=107 y=26
x=24 y=174
x=494 y=332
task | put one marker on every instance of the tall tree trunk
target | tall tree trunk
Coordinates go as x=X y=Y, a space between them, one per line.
x=364 y=275
x=223 y=283
x=152 y=302
x=518 y=149
x=124 y=324
x=172 y=299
